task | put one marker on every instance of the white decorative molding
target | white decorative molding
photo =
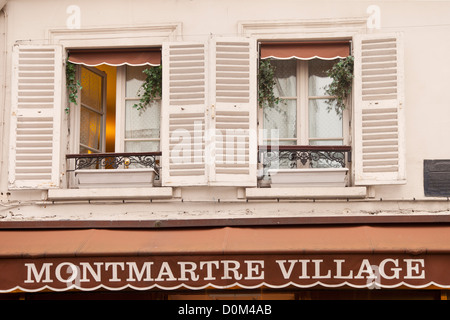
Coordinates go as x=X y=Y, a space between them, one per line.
x=304 y=29
x=307 y=193
x=116 y=36
x=109 y=194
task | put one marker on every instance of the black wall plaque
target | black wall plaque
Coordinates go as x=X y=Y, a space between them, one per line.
x=436 y=178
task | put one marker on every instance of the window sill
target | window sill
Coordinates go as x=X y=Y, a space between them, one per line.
x=110 y=194
x=307 y=193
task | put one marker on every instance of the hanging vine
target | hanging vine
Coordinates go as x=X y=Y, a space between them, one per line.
x=73 y=85
x=151 y=89
x=266 y=83
x=341 y=86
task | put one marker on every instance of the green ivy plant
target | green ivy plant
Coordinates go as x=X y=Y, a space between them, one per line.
x=266 y=83
x=73 y=85
x=341 y=86
x=151 y=89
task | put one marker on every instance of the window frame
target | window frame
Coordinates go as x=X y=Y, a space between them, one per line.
x=302 y=121
x=120 y=114
x=121 y=101
x=151 y=35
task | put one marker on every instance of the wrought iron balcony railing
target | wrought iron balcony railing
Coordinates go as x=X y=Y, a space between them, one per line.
x=115 y=160
x=268 y=156
x=309 y=156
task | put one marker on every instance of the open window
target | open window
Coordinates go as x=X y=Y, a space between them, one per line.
x=109 y=130
x=377 y=136
x=112 y=79
x=303 y=130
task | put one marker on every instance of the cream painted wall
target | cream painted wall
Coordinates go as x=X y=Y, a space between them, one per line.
x=425 y=24
x=3 y=100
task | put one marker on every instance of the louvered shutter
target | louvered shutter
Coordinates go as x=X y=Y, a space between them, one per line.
x=379 y=110
x=34 y=154
x=233 y=112
x=184 y=118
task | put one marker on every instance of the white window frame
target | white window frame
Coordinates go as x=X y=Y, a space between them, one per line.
x=311 y=29
x=302 y=121
x=121 y=100
x=127 y=37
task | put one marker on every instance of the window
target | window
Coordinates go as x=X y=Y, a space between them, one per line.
x=302 y=118
x=106 y=116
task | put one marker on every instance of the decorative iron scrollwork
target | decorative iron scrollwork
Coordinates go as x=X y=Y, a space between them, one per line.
x=311 y=156
x=116 y=160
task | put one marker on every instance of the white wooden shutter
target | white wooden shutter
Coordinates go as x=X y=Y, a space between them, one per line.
x=379 y=110
x=34 y=154
x=233 y=112
x=184 y=118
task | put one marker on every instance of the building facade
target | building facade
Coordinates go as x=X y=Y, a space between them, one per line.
x=206 y=191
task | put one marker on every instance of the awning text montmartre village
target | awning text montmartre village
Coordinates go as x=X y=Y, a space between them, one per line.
x=247 y=258
x=170 y=272
x=220 y=269
x=201 y=271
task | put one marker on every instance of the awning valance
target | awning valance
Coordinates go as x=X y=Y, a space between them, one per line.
x=248 y=257
x=116 y=57
x=326 y=50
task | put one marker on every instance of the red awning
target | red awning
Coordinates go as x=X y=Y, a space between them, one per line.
x=247 y=257
x=326 y=50
x=116 y=57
